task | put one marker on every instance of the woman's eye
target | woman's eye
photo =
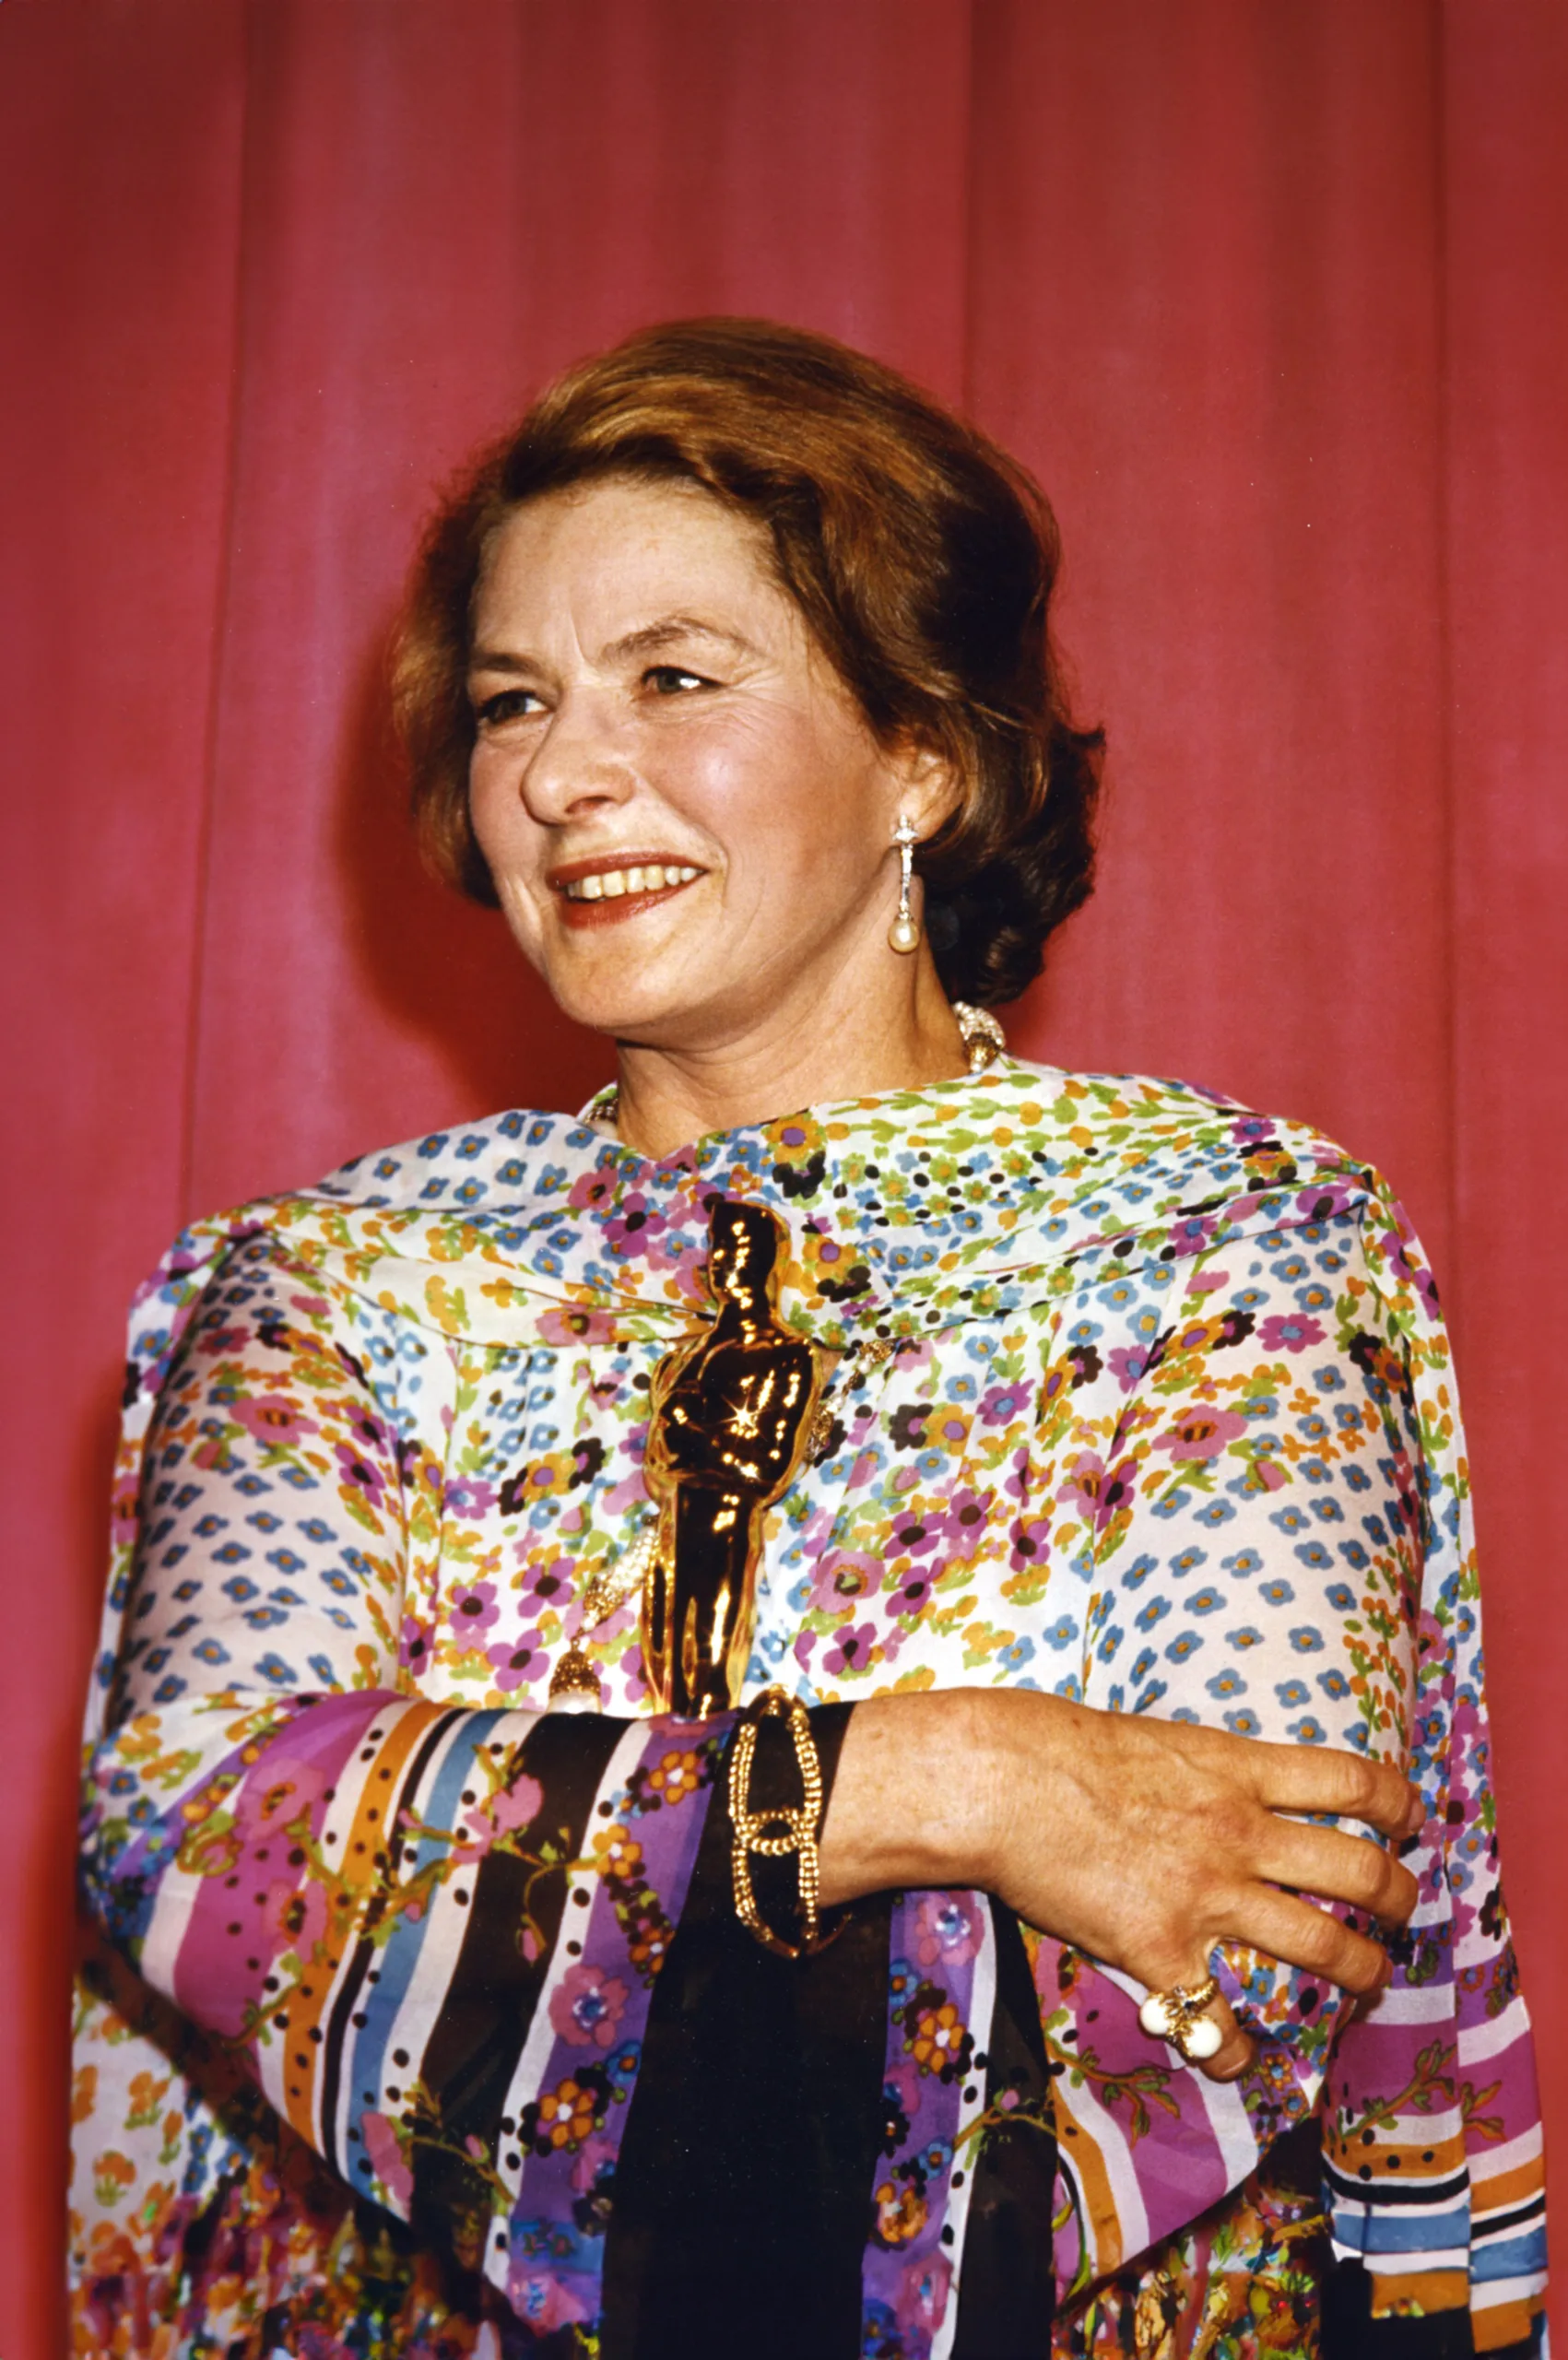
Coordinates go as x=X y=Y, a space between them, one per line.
x=508 y=704
x=673 y=680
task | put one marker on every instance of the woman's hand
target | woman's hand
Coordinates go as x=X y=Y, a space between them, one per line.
x=1140 y=1842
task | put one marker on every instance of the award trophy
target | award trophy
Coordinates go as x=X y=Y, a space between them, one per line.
x=732 y=1414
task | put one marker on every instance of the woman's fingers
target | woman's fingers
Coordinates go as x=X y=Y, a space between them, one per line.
x=1286 y=1928
x=1323 y=1778
x=1236 y=2049
x=1335 y=1866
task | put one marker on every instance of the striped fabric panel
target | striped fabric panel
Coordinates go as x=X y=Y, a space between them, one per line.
x=1007 y=2290
x=1146 y=2143
x=943 y=1981
x=388 y=1993
x=432 y=1934
x=1508 y=2260
x=566 y=2106
x=1420 y=2179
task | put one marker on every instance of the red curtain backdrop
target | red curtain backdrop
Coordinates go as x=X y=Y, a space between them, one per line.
x=1271 y=293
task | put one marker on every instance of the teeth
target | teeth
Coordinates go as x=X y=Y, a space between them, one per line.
x=610 y=884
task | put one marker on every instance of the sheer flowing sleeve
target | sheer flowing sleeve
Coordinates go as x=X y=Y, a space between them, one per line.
x=1263 y=1470
x=431 y=1932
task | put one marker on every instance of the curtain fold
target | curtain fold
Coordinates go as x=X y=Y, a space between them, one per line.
x=1272 y=298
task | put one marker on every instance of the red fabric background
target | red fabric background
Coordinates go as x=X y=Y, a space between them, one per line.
x=1272 y=295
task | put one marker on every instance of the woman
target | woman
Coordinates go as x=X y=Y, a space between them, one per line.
x=1053 y=1439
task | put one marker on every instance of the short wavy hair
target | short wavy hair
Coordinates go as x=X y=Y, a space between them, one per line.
x=922 y=556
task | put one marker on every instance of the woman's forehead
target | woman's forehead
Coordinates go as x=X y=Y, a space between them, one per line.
x=631 y=563
x=627 y=520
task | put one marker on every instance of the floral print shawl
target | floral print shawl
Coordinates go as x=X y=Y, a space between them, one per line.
x=1167 y=1423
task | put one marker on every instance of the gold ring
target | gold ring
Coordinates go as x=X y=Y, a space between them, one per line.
x=1181 y=2016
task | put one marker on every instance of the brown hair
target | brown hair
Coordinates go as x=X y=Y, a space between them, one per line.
x=922 y=556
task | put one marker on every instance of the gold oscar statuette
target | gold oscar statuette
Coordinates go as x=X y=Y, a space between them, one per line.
x=732 y=1412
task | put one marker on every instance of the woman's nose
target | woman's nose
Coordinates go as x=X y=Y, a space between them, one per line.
x=581 y=762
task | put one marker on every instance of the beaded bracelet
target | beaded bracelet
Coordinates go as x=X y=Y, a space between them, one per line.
x=799 y=1824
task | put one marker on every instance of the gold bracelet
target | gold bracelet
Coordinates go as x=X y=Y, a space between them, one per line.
x=799 y=1824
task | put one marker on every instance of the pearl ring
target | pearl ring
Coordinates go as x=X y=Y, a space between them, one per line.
x=1181 y=2017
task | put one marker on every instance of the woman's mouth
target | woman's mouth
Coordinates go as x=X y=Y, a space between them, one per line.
x=601 y=895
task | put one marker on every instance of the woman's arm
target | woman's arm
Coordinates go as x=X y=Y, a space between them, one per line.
x=1142 y=1843
x=1257 y=1479
x=428 y=1932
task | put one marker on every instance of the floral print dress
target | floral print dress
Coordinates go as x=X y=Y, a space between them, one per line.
x=1142 y=1400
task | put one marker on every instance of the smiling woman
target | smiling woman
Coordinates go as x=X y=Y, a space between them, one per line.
x=677 y=716
x=721 y=1717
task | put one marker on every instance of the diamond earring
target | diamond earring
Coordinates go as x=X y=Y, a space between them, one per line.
x=904 y=933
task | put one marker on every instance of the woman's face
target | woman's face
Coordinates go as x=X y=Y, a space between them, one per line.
x=687 y=819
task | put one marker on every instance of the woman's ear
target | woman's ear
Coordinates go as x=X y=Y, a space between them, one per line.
x=929 y=785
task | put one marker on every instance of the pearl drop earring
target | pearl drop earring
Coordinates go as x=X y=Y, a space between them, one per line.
x=904 y=933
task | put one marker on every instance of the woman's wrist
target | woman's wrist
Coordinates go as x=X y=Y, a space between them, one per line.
x=917 y=1801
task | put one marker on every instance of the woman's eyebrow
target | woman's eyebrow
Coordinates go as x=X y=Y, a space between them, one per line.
x=651 y=637
x=496 y=659
x=648 y=639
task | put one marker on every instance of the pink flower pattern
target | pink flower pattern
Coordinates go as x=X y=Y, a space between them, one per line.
x=587 y=2007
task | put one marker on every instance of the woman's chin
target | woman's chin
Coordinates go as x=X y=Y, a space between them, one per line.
x=642 y=1009
x=634 y=986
